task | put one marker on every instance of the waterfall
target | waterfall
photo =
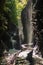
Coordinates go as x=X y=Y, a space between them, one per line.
x=31 y=11
x=30 y=26
x=13 y=40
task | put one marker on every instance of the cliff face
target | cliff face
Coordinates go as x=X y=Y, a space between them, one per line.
x=38 y=19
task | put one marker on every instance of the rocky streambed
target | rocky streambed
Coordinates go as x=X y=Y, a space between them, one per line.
x=18 y=57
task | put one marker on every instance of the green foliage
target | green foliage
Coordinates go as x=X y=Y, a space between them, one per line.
x=15 y=7
x=20 y=4
x=3 y=22
x=3 y=19
x=10 y=11
x=12 y=8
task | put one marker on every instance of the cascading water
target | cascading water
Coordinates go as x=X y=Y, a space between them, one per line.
x=13 y=41
x=30 y=26
x=26 y=18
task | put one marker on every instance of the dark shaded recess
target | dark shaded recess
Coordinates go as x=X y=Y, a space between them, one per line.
x=2 y=3
x=4 y=42
x=39 y=5
x=40 y=44
x=33 y=1
x=29 y=58
x=1 y=49
x=6 y=36
x=39 y=24
x=12 y=27
x=0 y=23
